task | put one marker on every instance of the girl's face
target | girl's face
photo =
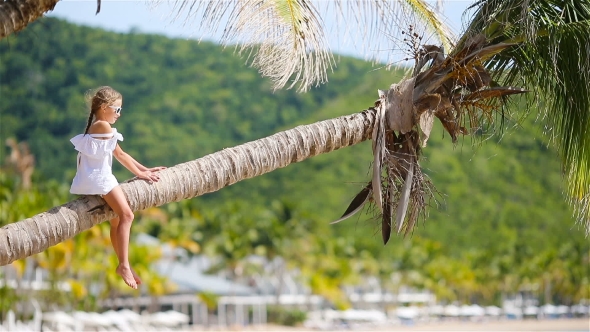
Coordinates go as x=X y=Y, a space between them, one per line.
x=112 y=111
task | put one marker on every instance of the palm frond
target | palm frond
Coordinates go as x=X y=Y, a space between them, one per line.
x=286 y=37
x=553 y=61
x=376 y=27
x=296 y=50
x=357 y=203
x=432 y=21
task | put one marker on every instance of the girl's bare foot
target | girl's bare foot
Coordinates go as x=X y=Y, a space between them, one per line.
x=136 y=277
x=127 y=274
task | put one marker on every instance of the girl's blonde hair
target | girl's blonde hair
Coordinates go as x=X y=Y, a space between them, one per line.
x=95 y=98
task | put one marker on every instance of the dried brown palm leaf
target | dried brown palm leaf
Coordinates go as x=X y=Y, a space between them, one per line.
x=358 y=202
x=378 y=154
x=428 y=53
x=494 y=92
x=450 y=123
x=398 y=106
x=485 y=53
x=422 y=193
x=474 y=43
x=404 y=200
x=387 y=213
x=480 y=78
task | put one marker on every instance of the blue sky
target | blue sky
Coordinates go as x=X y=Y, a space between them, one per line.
x=122 y=16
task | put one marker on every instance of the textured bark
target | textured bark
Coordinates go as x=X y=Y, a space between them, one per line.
x=15 y=15
x=187 y=180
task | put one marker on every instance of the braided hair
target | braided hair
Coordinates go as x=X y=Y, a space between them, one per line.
x=98 y=97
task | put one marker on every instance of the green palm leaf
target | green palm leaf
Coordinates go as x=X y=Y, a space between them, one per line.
x=553 y=61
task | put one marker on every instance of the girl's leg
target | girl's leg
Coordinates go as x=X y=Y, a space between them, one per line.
x=113 y=233
x=116 y=200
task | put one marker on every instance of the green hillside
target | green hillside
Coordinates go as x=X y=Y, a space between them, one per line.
x=184 y=99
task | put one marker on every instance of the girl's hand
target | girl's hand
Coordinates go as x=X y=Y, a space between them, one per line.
x=149 y=176
x=156 y=169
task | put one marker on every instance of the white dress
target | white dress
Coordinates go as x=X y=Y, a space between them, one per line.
x=94 y=175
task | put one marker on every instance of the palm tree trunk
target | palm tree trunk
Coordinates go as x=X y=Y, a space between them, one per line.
x=187 y=180
x=16 y=14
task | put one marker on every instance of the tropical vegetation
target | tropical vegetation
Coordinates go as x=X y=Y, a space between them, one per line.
x=499 y=225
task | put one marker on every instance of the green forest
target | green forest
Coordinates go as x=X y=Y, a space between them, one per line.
x=499 y=225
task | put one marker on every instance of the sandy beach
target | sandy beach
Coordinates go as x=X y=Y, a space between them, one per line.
x=555 y=325
x=504 y=325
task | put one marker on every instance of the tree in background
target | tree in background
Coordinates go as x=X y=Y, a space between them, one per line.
x=22 y=160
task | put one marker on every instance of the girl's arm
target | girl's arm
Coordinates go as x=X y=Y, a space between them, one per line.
x=143 y=168
x=134 y=167
x=137 y=164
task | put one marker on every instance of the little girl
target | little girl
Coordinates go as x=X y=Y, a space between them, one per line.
x=94 y=176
